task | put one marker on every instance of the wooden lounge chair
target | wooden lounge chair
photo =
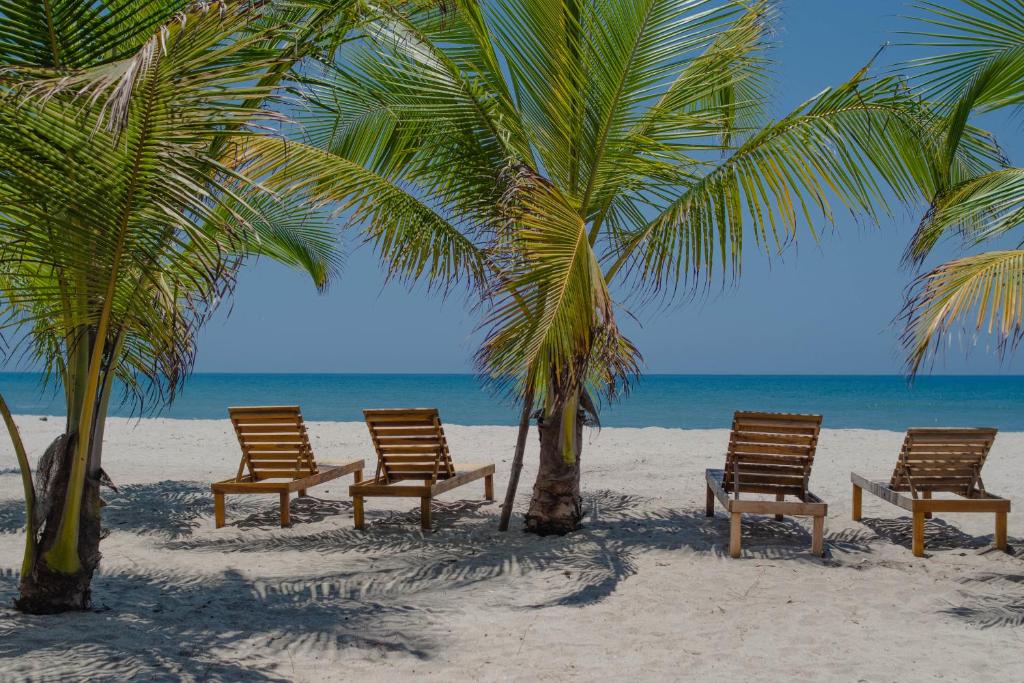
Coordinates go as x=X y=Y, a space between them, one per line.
x=938 y=460
x=411 y=447
x=276 y=458
x=769 y=453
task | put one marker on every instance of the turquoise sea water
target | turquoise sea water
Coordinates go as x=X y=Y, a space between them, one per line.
x=694 y=401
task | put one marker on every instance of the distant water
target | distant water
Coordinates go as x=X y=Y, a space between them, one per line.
x=689 y=401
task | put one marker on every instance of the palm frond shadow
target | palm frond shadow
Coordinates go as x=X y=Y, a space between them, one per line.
x=445 y=515
x=849 y=541
x=172 y=509
x=466 y=548
x=394 y=594
x=305 y=510
x=938 y=534
x=991 y=601
x=12 y=516
x=180 y=622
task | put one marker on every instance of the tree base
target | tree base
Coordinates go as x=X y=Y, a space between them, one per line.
x=48 y=592
x=550 y=527
x=557 y=506
x=43 y=590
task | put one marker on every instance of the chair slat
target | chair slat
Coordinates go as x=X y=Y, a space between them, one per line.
x=409 y=442
x=289 y=437
x=284 y=473
x=782 y=428
x=770 y=449
x=948 y=460
x=274 y=442
x=784 y=470
x=388 y=430
x=766 y=437
x=268 y=419
x=401 y=449
x=771 y=452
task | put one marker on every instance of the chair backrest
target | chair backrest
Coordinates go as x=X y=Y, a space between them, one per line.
x=943 y=460
x=274 y=442
x=410 y=444
x=771 y=453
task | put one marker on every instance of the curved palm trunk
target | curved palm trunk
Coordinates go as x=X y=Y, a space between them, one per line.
x=556 y=506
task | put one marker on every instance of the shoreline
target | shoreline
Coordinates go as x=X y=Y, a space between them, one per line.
x=140 y=421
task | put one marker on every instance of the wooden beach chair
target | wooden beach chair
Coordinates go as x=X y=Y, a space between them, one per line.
x=769 y=453
x=413 y=461
x=276 y=458
x=938 y=461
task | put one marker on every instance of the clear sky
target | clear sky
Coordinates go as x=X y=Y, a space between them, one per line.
x=822 y=308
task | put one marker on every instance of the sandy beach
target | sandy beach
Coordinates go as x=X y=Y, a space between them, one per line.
x=645 y=591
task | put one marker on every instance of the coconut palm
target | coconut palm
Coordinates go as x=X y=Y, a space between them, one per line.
x=977 y=66
x=125 y=212
x=597 y=153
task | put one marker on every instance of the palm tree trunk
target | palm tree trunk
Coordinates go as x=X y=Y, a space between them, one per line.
x=43 y=590
x=46 y=588
x=557 y=507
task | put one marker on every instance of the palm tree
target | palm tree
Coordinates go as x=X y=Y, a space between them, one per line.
x=126 y=209
x=979 y=68
x=585 y=154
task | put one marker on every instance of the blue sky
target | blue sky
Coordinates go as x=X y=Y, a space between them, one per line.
x=820 y=308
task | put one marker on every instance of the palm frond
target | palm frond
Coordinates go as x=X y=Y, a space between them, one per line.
x=414 y=241
x=552 y=325
x=977 y=65
x=984 y=291
x=855 y=144
x=978 y=210
x=115 y=216
x=75 y=34
x=289 y=229
x=967 y=38
x=629 y=49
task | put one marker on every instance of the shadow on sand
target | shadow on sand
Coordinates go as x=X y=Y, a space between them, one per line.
x=12 y=516
x=991 y=600
x=938 y=534
x=987 y=601
x=387 y=589
x=172 y=626
x=465 y=547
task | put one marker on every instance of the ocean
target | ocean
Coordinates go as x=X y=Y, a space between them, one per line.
x=683 y=401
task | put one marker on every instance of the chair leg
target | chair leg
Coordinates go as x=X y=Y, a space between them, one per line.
x=735 y=534
x=357 y=512
x=858 y=496
x=1001 y=530
x=357 y=476
x=927 y=495
x=709 y=505
x=302 y=493
x=779 y=497
x=425 y=513
x=489 y=487
x=818 y=536
x=218 y=510
x=285 y=519
x=918 y=535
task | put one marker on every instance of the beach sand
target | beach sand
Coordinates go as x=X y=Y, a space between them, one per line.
x=646 y=591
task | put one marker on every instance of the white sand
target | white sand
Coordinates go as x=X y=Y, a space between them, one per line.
x=646 y=591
